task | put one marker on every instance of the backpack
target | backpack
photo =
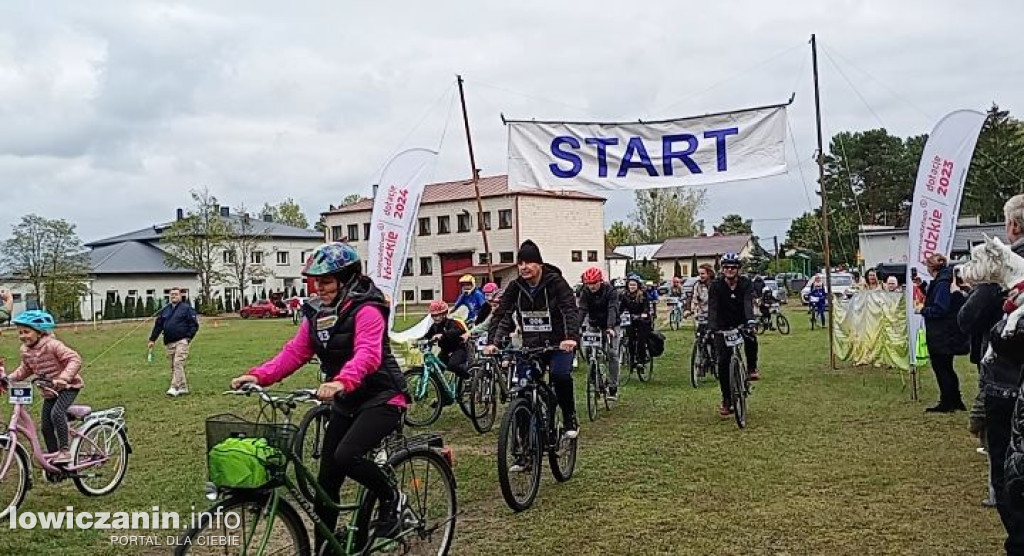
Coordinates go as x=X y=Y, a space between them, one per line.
x=656 y=343
x=243 y=463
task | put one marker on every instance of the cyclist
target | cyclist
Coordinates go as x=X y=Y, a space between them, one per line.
x=699 y=297
x=484 y=316
x=817 y=297
x=543 y=306
x=600 y=304
x=651 y=291
x=345 y=326
x=448 y=333
x=471 y=297
x=767 y=301
x=731 y=305
x=635 y=302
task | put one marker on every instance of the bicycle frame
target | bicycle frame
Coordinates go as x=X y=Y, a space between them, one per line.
x=432 y=366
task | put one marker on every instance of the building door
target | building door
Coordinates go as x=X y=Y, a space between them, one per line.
x=451 y=262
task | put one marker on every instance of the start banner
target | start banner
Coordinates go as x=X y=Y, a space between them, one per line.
x=705 y=150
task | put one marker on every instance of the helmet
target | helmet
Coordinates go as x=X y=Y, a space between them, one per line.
x=731 y=258
x=593 y=275
x=635 y=278
x=489 y=288
x=649 y=283
x=40 y=321
x=467 y=279
x=331 y=258
x=438 y=307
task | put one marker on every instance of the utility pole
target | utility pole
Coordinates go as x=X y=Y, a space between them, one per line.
x=476 y=182
x=824 y=206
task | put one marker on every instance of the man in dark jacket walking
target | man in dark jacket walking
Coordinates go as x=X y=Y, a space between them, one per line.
x=178 y=323
x=943 y=335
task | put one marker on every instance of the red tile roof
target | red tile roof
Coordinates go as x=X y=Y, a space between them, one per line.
x=680 y=247
x=462 y=190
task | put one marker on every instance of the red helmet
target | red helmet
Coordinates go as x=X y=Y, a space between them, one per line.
x=593 y=275
x=489 y=288
x=438 y=307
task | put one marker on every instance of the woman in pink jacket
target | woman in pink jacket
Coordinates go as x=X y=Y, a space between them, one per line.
x=47 y=358
x=346 y=327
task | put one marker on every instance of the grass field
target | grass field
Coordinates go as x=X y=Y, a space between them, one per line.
x=832 y=462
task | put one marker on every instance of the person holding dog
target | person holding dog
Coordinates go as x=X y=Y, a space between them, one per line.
x=942 y=334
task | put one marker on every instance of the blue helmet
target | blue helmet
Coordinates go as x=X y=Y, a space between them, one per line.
x=635 y=278
x=40 y=321
x=331 y=258
x=731 y=258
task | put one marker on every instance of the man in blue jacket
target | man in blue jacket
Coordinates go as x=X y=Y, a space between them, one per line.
x=178 y=323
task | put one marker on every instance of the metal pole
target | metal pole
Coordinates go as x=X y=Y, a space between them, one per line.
x=476 y=182
x=824 y=207
x=775 y=239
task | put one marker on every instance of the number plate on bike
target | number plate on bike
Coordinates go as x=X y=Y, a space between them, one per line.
x=626 y=319
x=732 y=338
x=481 y=343
x=813 y=299
x=591 y=339
x=21 y=394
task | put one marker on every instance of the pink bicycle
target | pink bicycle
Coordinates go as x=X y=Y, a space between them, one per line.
x=99 y=448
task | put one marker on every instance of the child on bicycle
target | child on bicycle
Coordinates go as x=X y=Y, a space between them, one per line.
x=767 y=301
x=47 y=358
x=600 y=304
x=816 y=298
x=448 y=335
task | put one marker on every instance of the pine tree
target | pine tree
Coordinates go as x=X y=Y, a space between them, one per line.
x=678 y=269
x=118 y=312
x=294 y=293
x=150 y=306
x=238 y=304
x=220 y=305
x=140 y=308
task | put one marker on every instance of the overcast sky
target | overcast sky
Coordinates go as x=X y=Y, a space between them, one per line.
x=110 y=112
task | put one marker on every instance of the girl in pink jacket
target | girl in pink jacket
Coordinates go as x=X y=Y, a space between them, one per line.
x=47 y=358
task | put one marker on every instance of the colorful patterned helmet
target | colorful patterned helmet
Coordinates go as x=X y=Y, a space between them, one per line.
x=40 y=321
x=592 y=275
x=438 y=307
x=467 y=279
x=331 y=258
x=635 y=278
x=731 y=258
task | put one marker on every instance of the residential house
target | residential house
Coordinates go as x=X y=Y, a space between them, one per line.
x=689 y=251
x=568 y=227
x=887 y=244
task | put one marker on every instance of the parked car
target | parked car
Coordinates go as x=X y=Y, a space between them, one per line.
x=841 y=284
x=263 y=310
x=778 y=291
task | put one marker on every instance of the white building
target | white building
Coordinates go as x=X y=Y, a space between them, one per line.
x=567 y=226
x=889 y=245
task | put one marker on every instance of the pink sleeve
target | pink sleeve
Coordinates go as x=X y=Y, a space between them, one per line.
x=367 y=350
x=69 y=358
x=296 y=353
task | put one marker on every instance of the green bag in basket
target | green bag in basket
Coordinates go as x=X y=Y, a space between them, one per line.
x=243 y=462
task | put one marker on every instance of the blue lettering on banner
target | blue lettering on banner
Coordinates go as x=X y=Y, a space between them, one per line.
x=636 y=146
x=602 y=153
x=557 y=152
x=720 y=135
x=667 y=154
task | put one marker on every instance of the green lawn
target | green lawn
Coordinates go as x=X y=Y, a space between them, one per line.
x=832 y=462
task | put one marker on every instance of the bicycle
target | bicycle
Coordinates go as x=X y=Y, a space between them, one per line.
x=675 y=316
x=814 y=303
x=532 y=424
x=484 y=388
x=703 y=361
x=739 y=382
x=592 y=346
x=774 y=320
x=99 y=448
x=431 y=391
x=645 y=370
x=255 y=512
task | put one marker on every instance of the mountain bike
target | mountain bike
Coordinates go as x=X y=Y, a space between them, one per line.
x=532 y=425
x=485 y=388
x=675 y=316
x=263 y=521
x=432 y=390
x=812 y=310
x=645 y=369
x=99 y=448
x=593 y=349
x=703 y=361
x=774 y=320
x=739 y=381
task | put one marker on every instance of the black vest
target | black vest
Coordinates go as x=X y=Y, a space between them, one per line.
x=334 y=346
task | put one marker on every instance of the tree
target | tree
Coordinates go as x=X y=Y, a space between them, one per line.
x=997 y=167
x=220 y=305
x=118 y=309
x=678 y=269
x=287 y=212
x=150 y=306
x=245 y=239
x=734 y=224
x=197 y=241
x=693 y=265
x=661 y=214
x=140 y=309
x=619 y=234
x=238 y=304
x=49 y=254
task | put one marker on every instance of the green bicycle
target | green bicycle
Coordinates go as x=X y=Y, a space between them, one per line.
x=262 y=520
x=431 y=390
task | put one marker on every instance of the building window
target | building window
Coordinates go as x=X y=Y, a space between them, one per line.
x=353 y=232
x=592 y=256
x=426 y=266
x=506 y=256
x=408 y=295
x=504 y=219
x=305 y=256
x=484 y=258
x=424 y=226
x=407 y=270
x=256 y=257
x=336 y=233
x=150 y=293
x=577 y=256
x=486 y=219
x=282 y=257
x=463 y=222
x=229 y=256
x=444 y=224
x=426 y=295
x=366 y=231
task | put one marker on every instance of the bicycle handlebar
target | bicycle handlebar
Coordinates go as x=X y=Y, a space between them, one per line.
x=297 y=396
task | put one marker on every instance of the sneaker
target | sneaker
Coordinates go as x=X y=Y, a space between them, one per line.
x=521 y=464
x=613 y=394
x=389 y=518
x=183 y=391
x=988 y=503
x=754 y=375
x=724 y=410
x=63 y=457
x=172 y=392
x=572 y=430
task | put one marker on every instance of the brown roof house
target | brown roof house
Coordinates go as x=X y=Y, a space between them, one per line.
x=682 y=255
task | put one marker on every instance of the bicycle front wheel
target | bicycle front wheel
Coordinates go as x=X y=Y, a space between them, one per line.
x=593 y=393
x=308 y=443
x=483 y=398
x=562 y=455
x=246 y=519
x=102 y=451
x=646 y=371
x=625 y=362
x=426 y=398
x=696 y=364
x=782 y=323
x=675 y=320
x=738 y=385
x=15 y=483
x=519 y=452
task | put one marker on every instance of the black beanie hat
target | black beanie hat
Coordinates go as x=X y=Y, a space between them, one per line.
x=529 y=253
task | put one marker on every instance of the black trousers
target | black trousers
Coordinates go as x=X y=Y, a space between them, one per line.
x=998 y=419
x=725 y=356
x=55 y=419
x=456 y=361
x=945 y=375
x=347 y=441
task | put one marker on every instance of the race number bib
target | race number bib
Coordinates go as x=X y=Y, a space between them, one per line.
x=481 y=343
x=21 y=394
x=592 y=339
x=626 y=319
x=536 y=321
x=814 y=299
x=732 y=338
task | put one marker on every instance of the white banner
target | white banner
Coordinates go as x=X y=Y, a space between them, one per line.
x=937 y=193
x=691 y=151
x=394 y=215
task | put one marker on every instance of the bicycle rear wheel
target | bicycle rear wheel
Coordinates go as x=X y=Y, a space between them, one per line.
x=738 y=385
x=782 y=323
x=483 y=399
x=562 y=455
x=675 y=319
x=646 y=371
x=463 y=391
x=100 y=441
x=519 y=446
x=244 y=519
x=426 y=398
x=308 y=443
x=625 y=362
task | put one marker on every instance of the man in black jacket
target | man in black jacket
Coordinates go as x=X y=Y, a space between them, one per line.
x=731 y=305
x=543 y=305
x=179 y=324
x=600 y=304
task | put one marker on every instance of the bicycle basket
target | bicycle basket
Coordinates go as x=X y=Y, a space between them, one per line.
x=242 y=454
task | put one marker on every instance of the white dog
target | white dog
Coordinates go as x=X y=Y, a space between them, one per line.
x=994 y=262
